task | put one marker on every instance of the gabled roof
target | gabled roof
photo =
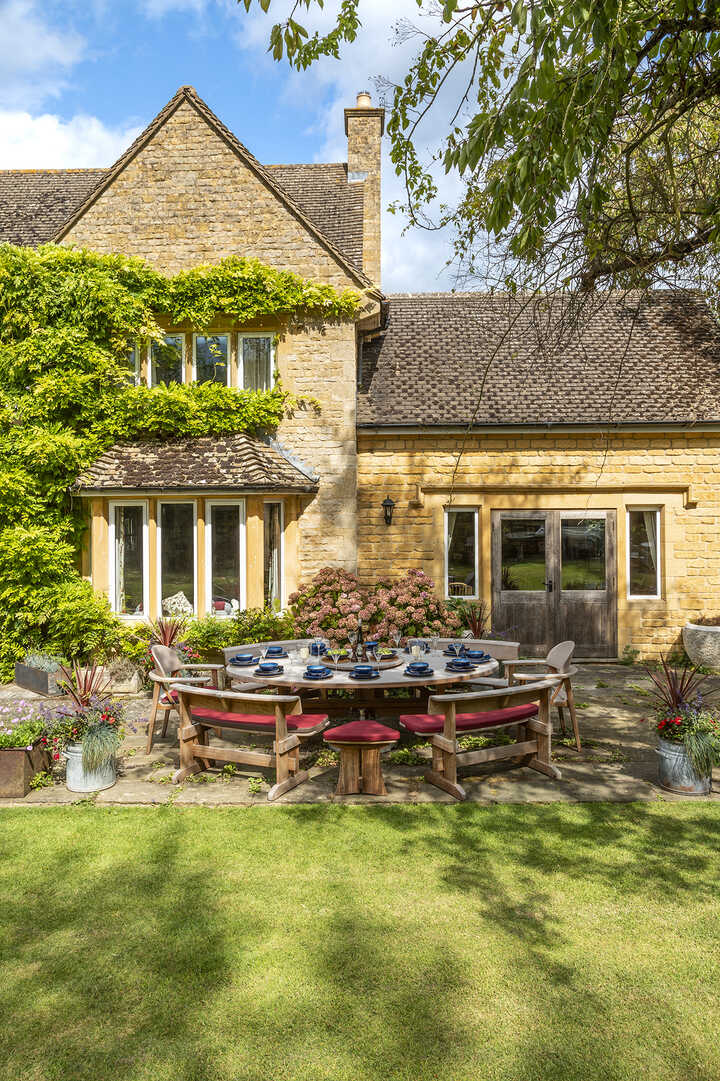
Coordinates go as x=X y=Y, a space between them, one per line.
x=236 y=462
x=35 y=203
x=188 y=94
x=636 y=360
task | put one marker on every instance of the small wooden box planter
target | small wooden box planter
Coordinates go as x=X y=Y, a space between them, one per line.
x=36 y=679
x=18 y=766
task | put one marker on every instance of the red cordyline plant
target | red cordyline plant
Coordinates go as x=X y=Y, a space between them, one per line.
x=167 y=630
x=87 y=685
x=676 y=689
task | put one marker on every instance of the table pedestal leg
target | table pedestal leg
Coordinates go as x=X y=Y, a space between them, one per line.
x=372 y=778
x=349 y=779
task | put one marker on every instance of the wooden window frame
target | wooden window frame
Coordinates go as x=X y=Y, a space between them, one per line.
x=158 y=550
x=241 y=362
x=113 y=504
x=183 y=360
x=656 y=510
x=241 y=505
x=220 y=334
x=446 y=572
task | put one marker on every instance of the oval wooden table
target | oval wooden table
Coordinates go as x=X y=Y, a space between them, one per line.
x=368 y=695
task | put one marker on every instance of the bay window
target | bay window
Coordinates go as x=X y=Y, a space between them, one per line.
x=128 y=559
x=177 y=557
x=643 y=552
x=256 y=357
x=461 y=553
x=225 y=557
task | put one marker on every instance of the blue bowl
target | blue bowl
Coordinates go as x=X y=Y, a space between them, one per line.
x=460 y=665
x=363 y=669
x=274 y=651
x=268 y=666
x=242 y=658
x=476 y=654
x=317 y=669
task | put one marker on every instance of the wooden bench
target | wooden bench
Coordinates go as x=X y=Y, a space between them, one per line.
x=203 y=710
x=527 y=709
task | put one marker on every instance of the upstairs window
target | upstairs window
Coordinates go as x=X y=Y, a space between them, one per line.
x=167 y=360
x=211 y=357
x=131 y=363
x=256 y=358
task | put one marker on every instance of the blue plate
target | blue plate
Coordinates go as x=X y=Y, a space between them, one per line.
x=372 y=675
x=460 y=668
x=327 y=674
x=242 y=664
x=419 y=674
x=276 y=656
x=276 y=670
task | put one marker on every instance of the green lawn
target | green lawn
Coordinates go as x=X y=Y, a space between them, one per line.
x=465 y=943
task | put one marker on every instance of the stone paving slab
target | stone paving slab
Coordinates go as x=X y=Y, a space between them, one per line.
x=617 y=762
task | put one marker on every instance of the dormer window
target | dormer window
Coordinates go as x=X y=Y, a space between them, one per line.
x=256 y=359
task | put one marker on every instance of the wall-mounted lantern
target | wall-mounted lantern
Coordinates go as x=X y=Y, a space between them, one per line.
x=388 y=506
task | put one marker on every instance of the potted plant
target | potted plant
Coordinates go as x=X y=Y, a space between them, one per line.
x=87 y=731
x=702 y=641
x=688 y=731
x=38 y=673
x=23 y=750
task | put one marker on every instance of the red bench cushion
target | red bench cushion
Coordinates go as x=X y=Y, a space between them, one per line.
x=297 y=722
x=169 y=698
x=361 y=732
x=429 y=723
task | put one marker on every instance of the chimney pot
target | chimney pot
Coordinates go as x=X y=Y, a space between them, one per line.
x=364 y=100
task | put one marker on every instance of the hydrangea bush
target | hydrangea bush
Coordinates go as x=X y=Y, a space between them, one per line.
x=331 y=605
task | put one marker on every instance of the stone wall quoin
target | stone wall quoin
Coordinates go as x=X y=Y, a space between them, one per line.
x=642 y=470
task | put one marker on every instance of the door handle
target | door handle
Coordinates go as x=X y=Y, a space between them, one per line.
x=549 y=585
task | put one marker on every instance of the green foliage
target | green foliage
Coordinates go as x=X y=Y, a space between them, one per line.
x=20 y=735
x=42 y=779
x=586 y=134
x=262 y=625
x=67 y=321
x=210 y=634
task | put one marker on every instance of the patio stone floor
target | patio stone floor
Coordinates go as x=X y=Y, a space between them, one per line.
x=617 y=763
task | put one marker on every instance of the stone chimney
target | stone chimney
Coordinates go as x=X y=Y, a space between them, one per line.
x=364 y=127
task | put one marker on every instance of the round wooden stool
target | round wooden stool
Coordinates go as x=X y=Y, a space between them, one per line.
x=360 y=743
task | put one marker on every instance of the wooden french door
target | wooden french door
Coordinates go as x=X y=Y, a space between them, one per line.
x=554 y=577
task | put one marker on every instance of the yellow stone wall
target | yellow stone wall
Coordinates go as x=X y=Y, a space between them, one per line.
x=187 y=199
x=677 y=473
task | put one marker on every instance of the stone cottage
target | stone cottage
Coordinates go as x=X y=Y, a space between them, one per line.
x=572 y=485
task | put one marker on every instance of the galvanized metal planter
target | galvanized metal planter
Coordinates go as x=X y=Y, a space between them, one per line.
x=36 y=679
x=676 y=772
x=78 y=779
x=18 y=766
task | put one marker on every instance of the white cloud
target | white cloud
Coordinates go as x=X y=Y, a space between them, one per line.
x=35 y=56
x=47 y=141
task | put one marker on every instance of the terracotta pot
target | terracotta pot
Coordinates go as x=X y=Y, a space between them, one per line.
x=18 y=766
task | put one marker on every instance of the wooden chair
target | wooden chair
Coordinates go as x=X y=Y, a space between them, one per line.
x=203 y=709
x=169 y=669
x=527 y=709
x=557 y=663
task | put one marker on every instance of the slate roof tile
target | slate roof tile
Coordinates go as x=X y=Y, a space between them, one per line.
x=653 y=360
x=209 y=462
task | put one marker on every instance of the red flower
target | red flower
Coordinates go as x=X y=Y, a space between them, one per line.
x=56 y=756
x=676 y=721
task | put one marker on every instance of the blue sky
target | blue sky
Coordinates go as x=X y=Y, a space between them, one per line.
x=79 y=80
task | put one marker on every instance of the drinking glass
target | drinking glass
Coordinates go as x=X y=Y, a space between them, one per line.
x=415 y=650
x=435 y=645
x=396 y=639
x=352 y=639
x=304 y=652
